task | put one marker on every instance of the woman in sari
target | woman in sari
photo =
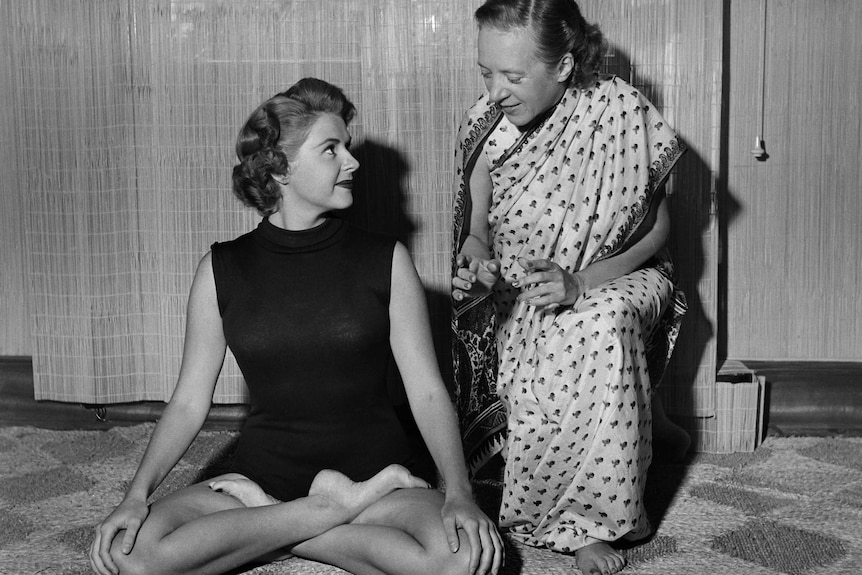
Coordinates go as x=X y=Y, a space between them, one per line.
x=566 y=309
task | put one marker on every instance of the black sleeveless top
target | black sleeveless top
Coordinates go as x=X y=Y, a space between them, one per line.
x=306 y=314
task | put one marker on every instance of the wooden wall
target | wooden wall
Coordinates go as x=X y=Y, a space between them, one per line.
x=793 y=259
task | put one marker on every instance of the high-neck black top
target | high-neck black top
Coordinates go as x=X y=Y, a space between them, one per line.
x=306 y=314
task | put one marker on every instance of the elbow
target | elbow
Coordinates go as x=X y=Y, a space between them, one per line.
x=662 y=235
x=662 y=223
x=660 y=231
x=188 y=411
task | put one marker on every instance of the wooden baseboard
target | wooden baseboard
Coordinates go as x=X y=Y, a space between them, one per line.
x=802 y=397
x=18 y=407
x=811 y=397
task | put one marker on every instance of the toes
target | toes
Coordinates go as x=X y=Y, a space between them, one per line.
x=616 y=563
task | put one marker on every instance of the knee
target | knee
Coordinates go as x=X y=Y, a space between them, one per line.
x=132 y=564
x=612 y=316
x=442 y=561
x=622 y=310
x=141 y=561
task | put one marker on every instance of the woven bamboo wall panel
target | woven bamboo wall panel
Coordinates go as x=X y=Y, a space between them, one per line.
x=794 y=251
x=14 y=315
x=143 y=103
x=130 y=113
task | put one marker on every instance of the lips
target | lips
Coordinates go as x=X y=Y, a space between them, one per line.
x=345 y=184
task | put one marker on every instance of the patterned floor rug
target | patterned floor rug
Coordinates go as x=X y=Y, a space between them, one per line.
x=794 y=506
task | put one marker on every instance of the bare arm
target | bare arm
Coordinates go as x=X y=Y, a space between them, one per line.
x=203 y=355
x=413 y=348
x=480 y=198
x=477 y=272
x=548 y=284
x=657 y=224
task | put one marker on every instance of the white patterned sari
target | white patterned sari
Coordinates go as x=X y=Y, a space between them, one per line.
x=567 y=391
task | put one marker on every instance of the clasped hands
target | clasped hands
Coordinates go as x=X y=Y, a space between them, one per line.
x=545 y=283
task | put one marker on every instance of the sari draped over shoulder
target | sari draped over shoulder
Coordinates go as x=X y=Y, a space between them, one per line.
x=555 y=388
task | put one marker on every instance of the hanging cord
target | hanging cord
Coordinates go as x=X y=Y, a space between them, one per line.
x=759 y=151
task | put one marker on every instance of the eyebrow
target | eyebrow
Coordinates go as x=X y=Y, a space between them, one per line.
x=504 y=71
x=333 y=140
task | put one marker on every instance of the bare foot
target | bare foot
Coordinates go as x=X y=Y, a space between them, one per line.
x=356 y=496
x=599 y=559
x=247 y=491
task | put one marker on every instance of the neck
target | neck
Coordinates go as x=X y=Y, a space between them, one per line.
x=296 y=222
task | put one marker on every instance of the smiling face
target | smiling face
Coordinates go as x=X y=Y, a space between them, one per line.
x=517 y=81
x=320 y=176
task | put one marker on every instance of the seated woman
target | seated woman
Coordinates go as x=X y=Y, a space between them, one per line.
x=565 y=305
x=311 y=308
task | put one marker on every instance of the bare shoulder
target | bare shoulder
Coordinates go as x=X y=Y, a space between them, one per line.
x=203 y=286
x=405 y=284
x=403 y=267
x=205 y=265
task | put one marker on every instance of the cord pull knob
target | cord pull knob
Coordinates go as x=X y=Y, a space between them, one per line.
x=758 y=151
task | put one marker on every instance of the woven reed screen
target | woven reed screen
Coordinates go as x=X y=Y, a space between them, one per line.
x=14 y=317
x=126 y=114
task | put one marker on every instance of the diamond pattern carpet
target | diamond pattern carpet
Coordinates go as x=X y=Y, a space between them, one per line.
x=794 y=506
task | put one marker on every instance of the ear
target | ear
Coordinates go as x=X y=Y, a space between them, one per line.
x=565 y=67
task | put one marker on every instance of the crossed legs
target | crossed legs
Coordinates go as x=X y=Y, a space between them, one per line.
x=396 y=528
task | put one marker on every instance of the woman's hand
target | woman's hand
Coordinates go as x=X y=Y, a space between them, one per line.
x=474 y=277
x=129 y=515
x=547 y=284
x=486 y=545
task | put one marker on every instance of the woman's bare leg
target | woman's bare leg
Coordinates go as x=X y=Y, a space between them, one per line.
x=400 y=534
x=197 y=530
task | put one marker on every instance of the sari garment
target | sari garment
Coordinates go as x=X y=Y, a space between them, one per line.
x=567 y=391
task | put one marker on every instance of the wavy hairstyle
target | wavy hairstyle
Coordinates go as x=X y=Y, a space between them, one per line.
x=272 y=135
x=558 y=28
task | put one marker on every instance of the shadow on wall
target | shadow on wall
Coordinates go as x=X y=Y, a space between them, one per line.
x=379 y=196
x=379 y=205
x=691 y=230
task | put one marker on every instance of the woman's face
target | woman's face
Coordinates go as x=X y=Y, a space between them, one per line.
x=320 y=177
x=517 y=81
